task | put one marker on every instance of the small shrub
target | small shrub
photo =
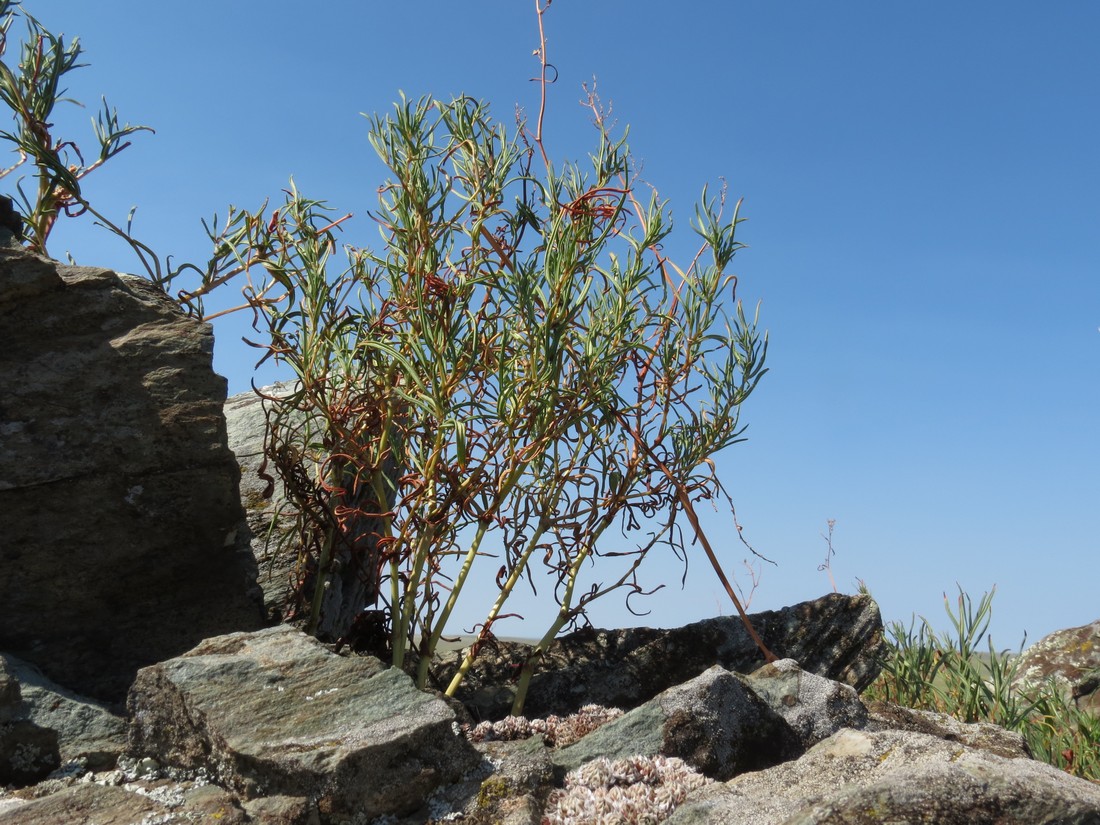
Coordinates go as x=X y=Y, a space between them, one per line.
x=518 y=359
x=518 y=370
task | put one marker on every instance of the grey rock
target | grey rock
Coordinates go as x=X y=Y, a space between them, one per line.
x=206 y=803
x=9 y=803
x=88 y=804
x=516 y=778
x=274 y=713
x=282 y=810
x=266 y=532
x=1071 y=660
x=814 y=707
x=27 y=277
x=11 y=701
x=525 y=769
x=523 y=810
x=714 y=722
x=292 y=734
x=896 y=776
x=118 y=494
x=86 y=730
x=838 y=637
x=28 y=752
x=980 y=735
x=149 y=804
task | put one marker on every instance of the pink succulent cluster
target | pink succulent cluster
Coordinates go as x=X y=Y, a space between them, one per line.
x=558 y=731
x=641 y=790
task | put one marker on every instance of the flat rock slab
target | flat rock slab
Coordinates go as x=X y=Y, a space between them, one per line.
x=896 y=776
x=91 y=804
x=274 y=713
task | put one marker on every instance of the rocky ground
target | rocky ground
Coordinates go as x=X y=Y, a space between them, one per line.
x=272 y=727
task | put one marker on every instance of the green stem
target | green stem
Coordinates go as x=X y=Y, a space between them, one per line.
x=445 y=614
x=322 y=578
x=467 y=564
x=564 y=614
x=402 y=623
x=498 y=605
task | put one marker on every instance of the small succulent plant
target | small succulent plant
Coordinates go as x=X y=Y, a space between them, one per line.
x=642 y=790
x=557 y=731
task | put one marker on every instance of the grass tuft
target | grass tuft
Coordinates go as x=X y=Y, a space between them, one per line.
x=949 y=673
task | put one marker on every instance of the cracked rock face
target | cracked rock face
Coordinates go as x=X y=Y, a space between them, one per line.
x=118 y=494
x=262 y=534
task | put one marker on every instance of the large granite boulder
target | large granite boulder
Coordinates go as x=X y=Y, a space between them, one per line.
x=118 y=494
x=1070 y=659
x=839 y=637
x=274 y=713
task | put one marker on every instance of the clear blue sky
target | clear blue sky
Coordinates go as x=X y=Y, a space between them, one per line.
x=921 y=186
